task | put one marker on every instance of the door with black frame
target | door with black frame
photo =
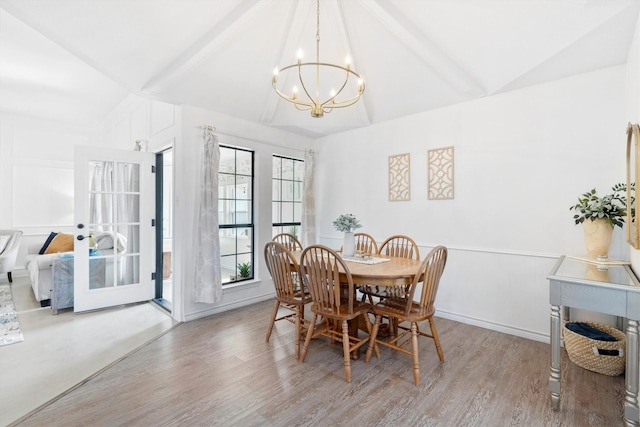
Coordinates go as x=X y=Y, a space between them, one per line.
x=164 y=231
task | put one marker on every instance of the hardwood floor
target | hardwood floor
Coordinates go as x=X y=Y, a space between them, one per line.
x=220 y=371
x=62 y=350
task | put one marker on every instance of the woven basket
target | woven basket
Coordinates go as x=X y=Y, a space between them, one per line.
x=583 y=351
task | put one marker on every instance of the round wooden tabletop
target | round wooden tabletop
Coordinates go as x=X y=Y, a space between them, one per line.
x=395 y=272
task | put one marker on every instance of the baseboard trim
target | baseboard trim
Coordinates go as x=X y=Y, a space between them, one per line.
x=229 y=306
x=523 y=333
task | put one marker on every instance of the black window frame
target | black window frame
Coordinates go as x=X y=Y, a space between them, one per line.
x=279 y=227
x=245 y=225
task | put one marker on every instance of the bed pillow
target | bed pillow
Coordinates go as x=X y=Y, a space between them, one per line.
x=104 y=240
x=61 y=243
x=47 y=242
x=4 y=239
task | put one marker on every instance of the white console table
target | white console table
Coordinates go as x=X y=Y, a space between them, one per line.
x=603 y=288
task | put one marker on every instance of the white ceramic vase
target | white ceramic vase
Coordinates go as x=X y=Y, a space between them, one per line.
x=597 y=237
x=349 y=244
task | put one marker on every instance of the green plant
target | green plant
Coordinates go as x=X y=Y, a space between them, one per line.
x=611 y=207
x=244 y=269
x=346 y=223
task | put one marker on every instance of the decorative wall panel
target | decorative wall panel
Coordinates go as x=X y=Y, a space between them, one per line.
x=399 y=177
x=42 y=196
x=441 y=183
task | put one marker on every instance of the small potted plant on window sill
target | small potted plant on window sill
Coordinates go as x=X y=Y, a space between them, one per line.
x=599 y=215
x=244 y=270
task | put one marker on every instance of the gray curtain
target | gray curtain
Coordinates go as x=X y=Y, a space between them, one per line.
x=308 y=221
x=208 y=276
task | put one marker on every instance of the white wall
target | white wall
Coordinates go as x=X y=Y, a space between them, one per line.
x=36 y=176
x=521 y=159
x=265 y=142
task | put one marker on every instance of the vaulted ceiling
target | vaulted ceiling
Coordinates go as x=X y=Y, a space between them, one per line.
x=75 y=60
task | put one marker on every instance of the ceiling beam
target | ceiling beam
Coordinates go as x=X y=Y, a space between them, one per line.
x=344 y=35
x=52 y=37
x=287 y=50
x=202 y=49
x=426 y=50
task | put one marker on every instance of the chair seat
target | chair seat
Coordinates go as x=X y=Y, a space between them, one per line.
x=343 y=311
x=395 y=307
x=296 y=299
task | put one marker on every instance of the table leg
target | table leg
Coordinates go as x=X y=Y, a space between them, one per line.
x=554 y=378
x=631 y=415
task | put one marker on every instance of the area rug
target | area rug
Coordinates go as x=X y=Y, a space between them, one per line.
x=10 y=332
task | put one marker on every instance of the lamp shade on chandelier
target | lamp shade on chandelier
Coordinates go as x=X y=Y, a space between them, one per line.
x=325 y=86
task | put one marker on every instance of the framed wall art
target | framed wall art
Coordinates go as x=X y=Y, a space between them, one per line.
x=440 y=164
x=399 y=177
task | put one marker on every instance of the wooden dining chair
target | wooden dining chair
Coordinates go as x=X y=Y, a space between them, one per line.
x=400 y=246
x=290 y=295
x=366 y=243
x=397 y=246
x=289 y=241
x=405 y=309
x=336 y=303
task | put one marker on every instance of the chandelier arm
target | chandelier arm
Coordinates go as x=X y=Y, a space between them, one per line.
x=342 y=104
x=299 y=108
x=294 y=101
x=304 y=87
x=333 y=98
x=349 y=72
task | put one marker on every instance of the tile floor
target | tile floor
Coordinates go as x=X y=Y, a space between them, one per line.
x=61 y=351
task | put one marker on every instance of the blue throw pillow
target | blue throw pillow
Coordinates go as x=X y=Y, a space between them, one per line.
x=47 y=242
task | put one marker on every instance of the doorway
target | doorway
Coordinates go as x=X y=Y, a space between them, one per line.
x=164 y=230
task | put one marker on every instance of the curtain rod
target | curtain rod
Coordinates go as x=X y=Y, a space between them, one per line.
x=208 y=127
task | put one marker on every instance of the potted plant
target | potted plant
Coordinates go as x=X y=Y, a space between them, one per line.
x=244 y=270
x=599 y=215
x=347 y=223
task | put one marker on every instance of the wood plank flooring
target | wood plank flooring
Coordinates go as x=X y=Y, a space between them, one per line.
x=219 y=371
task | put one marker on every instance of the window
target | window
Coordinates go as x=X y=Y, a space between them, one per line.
x=235 y=214
x=288 y=176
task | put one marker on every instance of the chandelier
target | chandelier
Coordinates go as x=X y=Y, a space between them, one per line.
x=315 y=103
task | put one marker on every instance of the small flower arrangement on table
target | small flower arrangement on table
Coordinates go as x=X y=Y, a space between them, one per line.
x=346 y=223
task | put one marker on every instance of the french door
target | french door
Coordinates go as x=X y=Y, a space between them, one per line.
x=114 y=238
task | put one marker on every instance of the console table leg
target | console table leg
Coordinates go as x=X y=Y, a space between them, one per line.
x=631 y=413
x=554 y=378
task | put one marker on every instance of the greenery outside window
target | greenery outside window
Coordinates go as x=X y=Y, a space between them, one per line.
x=235 y=213
x=287 y=182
